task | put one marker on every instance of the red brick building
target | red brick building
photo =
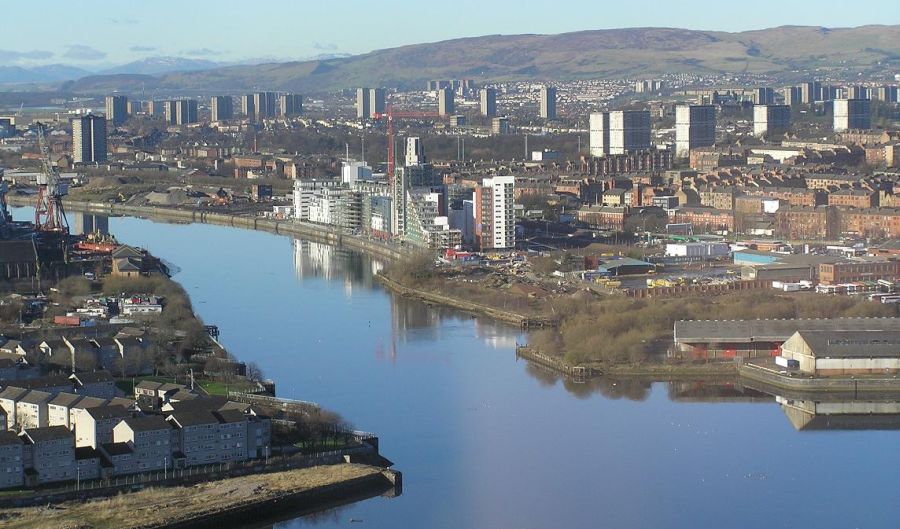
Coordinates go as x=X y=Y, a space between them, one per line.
x=853 y=198
x=871 y=222
x=704 y=219
x=606 y=217
x=807 y=223
x=853 y=271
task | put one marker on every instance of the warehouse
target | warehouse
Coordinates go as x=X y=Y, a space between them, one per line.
x=727 y=339
x=841 y=353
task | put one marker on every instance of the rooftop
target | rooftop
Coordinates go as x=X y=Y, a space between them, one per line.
x=48 y=433
x=9 y=438
x=117 y=449
x=101 y=413
x=193 y=418
x=147 y=423
x=745 y=331
x=850 y=344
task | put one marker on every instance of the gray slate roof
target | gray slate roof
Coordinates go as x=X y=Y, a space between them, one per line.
x=748 y=331
x=852 y=344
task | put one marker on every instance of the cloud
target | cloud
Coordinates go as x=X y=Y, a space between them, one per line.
x=7 y=56
x=140 y=49
x=124 y=21
x=80 y=52
x=201 y=52
x=326 y=46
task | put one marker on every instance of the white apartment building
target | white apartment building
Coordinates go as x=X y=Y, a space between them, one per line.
x=852 y=114
x=619 y=132
x=495 y=224
x=771 y=120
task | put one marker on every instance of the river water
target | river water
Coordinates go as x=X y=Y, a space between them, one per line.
x=486 y=441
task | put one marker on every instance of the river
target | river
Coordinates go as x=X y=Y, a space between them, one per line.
x=486 y=441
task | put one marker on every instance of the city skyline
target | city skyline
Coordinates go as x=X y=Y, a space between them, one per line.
x=228 y=37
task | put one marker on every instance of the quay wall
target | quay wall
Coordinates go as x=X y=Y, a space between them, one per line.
x=305 y=230
x=819 y=384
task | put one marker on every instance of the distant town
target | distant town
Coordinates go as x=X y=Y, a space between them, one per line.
x=743 y=226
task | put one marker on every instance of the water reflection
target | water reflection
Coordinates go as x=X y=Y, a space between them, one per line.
x=486 y=441
x=319 y=260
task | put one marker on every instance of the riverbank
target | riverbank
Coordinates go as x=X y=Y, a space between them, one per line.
x=306 y=230
x=212 y=504
x=655 y=372
x=507 y=316
x=781 y=379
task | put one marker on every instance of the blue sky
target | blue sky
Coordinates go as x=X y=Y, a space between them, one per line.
x=99 y=33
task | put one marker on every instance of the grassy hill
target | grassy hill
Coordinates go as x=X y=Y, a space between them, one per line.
x=616 y=53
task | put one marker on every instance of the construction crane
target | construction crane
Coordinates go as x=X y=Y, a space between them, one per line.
x=4 y=210
x=390 y=115
x=49 y=215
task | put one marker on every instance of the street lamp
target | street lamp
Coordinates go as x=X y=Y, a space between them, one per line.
x=165 y=468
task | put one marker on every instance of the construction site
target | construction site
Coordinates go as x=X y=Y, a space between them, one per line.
x=37 y=253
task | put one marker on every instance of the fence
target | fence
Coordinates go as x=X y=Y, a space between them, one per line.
x=686 y=290
x=183 y=476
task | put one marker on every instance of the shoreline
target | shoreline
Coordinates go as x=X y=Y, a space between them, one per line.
x=299 y=501
x=228 y=501
x=391 y=251
x=506 y=316
x=306 y=230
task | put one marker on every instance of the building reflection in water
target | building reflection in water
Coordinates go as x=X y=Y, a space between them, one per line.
x=834 y=412
x=332 y=263
x=86 y=223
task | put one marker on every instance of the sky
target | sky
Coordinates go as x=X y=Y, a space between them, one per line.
x=94 y=34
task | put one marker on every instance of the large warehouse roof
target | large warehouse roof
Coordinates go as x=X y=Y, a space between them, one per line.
x=747 y=331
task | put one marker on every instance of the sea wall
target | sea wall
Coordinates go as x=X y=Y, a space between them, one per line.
x=305 y=230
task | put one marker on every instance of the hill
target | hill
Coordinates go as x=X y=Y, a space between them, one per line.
x=616 y=53
x=40 y=74
x=161 y=65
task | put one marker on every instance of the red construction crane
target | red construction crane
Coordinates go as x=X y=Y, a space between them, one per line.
x=391 y=114
x=49 y=215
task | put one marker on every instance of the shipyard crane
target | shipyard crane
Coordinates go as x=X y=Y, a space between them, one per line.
x=49 y=215
x=390 y=115
x=4 y=210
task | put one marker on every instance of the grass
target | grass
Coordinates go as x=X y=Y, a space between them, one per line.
x=127 y=384
x=158 y=507
x=219 y=388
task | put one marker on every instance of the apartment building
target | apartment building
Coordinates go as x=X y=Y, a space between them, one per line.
x=89 y=139
x=446 y=105
x=12 y=471
x=494 y=214
x=59 y=408
x=150 y=438
x=853 y=198
x=116 y=110
x=695 y=126
x=50 y=453
x=488 y=97
x=619 y=132
x=221 y=108
x=771 y=121
x=852 y=114
x=31 y=409
x=94 y=426
x=548 y=102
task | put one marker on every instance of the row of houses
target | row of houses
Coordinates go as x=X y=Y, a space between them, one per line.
x=125 y=353
x=67 y=436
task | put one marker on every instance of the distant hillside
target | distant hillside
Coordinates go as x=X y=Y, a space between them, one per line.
x=40 y=74
x=614 y=53
x=161 y=65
